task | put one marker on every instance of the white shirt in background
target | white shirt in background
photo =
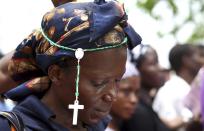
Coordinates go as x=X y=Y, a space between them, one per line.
x=168 y=102
x=108 y=129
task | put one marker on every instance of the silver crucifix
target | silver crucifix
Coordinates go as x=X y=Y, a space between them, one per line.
x=75 y=107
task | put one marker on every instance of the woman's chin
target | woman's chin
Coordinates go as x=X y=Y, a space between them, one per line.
x=92 y=121
x=97 y=117
x=127 y=115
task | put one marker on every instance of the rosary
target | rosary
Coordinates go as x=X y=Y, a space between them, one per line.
x=79 y=53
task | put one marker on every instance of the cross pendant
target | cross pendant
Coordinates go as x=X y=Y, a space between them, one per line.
x=75 y=107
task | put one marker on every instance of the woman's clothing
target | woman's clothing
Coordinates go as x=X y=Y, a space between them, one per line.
x=144 y=118
x=38 y=117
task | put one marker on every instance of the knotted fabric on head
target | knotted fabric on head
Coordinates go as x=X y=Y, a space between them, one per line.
x=73 y=25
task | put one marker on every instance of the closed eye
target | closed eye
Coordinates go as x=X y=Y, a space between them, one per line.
x=99 y=84
x=117 y=81
x=103 y=84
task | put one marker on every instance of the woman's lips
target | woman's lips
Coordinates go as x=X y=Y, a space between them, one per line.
x=129 y=110
x=101 y=112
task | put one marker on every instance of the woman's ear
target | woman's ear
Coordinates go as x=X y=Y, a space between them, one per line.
x=55 y=74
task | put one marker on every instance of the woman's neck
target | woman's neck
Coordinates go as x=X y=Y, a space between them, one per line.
x=145 y=95
x=63 y=115
x=115 y=123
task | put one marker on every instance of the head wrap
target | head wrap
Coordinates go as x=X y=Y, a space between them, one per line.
x=131 y=70
x=139 y=52
x=73 y=25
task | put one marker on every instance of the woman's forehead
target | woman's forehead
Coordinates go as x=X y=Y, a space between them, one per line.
x=98 y=60
x=131 y=80
x=106 y=63
x=105 y=56
x=151 y=54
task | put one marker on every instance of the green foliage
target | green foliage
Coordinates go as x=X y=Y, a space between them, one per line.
x=198 y=33
x=173 y=6
x=147 y=5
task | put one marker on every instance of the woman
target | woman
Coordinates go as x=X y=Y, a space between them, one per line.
x=127 y=98
x=57 y=61
x=152 y=77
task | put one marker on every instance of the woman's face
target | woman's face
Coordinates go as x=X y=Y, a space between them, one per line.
x=99 y=76
x=127 y=97
x=151 y=73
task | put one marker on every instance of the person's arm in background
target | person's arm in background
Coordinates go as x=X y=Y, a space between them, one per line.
x=164 y=106
x=173 y=124
x=6 y=82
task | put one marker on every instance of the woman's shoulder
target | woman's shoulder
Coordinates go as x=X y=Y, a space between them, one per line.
x=9 y=121
x=4 y=123
x=102 y=125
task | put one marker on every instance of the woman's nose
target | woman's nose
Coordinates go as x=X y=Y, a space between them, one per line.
x=111 y=93
x=133 y=98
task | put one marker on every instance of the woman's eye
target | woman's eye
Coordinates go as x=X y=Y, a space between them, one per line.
x=117 y=80
x=99 y=84
x=117 y=83
x=126 y=92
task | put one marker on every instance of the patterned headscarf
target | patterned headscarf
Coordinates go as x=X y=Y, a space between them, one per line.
x=73 y=25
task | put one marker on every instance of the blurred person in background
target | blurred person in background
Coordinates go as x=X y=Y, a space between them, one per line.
x=185 y=62
x=202 y=100
x=5 y=104
x=127 y=98
x=192 y=100
x=152 y=78
x=1 y=55
x=2 y=106
x=6 y=82
x=201 y=85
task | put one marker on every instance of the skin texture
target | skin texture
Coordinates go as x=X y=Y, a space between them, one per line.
x=127 y=97
x=99 y=76
x=192 y=63
x=6 y=82
x=152 y=75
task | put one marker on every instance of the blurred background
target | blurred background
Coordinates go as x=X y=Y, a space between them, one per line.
x=161 y=23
